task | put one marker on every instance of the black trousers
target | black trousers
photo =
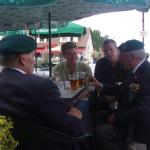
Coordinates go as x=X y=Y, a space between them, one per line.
x=107 y=138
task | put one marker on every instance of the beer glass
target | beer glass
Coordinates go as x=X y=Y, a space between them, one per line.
x=81 y=78
x=74 y=78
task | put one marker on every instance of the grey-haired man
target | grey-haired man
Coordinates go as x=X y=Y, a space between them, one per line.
x=133 y=101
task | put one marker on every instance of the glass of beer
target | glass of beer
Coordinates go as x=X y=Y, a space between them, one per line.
x=81 y=78
x=55 y=77
x=74 y=78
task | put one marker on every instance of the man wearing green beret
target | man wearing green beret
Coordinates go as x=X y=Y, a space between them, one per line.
x=28 y=98
x=132 y=118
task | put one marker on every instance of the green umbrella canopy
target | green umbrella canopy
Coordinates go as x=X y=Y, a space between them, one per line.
x=19 y=14
x=140 y=3
x=25 y=2
x=6 y=33
x=71 y=29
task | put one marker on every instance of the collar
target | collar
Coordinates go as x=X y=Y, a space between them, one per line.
x=137 y=66
x=21 y=71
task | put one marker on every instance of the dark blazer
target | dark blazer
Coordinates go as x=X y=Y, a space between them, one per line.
x=105 y=73
x=108 y=75
x=136 y=106
x=36 y=100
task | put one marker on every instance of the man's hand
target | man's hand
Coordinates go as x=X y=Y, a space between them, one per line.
x=75 y=112
x=90 y=80
x=111 y=119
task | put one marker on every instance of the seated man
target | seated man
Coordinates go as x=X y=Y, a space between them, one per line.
x=108 y=70
x=28 y=98
x=133 y=101
x=70 y=66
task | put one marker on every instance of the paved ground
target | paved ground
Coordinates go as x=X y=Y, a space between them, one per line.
x=140 y=147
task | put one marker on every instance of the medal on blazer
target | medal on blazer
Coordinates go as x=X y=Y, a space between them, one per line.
x=133 y=90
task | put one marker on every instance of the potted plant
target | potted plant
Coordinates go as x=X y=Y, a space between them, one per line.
x=7 y=141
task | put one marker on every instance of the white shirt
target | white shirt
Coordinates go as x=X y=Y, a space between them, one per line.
x=19 y=70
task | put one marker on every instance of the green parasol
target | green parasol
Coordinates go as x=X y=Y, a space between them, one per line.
x=25 y=2
x=21 y=14
x=6 y=33
x=71 y=29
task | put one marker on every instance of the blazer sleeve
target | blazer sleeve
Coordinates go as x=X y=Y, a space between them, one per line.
x=54 y=111
x=139 y=111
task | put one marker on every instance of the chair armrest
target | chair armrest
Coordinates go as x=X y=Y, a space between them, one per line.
x=28 y=131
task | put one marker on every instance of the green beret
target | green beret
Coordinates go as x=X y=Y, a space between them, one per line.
x=17 y=44
x=131 y=45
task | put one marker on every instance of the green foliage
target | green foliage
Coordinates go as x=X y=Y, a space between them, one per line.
x=98 y=39
x=7 y=141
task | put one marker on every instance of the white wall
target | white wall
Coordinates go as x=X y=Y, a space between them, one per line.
x=89 y=49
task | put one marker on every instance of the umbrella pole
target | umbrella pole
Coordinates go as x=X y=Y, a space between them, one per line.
x=35 y=52
x=49 y=41
x=143 y=27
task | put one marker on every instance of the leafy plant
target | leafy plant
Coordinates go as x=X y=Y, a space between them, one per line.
x=7 y=141
x=98 y=39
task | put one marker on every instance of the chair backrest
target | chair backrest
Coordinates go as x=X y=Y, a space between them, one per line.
x=32 y=135
x=32 y=131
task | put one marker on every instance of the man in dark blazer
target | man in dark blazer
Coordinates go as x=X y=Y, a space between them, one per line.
x=28 y=98
x=108 y=70
x=133 y=101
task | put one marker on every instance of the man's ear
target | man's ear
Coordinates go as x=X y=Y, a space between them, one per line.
x=133 y=56
x=22 y=59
